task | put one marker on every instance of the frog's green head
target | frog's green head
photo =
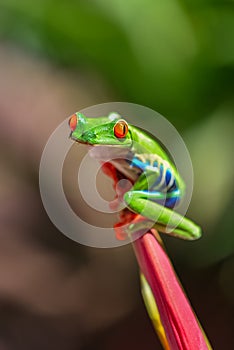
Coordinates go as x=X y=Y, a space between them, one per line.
x=111 y=130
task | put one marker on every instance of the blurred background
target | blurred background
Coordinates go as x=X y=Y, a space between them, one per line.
x=57 y=57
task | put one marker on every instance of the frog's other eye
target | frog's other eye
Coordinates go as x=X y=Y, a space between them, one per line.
x=121 y=129
x=73 y=122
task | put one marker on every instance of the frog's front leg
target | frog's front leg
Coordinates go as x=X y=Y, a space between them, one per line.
x=166 y=220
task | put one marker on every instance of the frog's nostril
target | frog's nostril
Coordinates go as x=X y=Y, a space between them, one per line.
x=73 y=122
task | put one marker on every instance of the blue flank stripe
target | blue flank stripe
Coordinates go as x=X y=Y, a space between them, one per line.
x=143 y=165
x=171 y=191
x=139 y=164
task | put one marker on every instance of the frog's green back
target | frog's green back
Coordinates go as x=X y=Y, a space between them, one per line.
x=144 y=142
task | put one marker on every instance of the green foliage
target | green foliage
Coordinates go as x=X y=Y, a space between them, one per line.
x=174 y=56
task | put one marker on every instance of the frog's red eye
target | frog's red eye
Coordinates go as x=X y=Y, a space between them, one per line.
x=121 y=129
x=73 y=122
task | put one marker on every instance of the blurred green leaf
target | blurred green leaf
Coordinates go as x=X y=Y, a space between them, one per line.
x=173 y=56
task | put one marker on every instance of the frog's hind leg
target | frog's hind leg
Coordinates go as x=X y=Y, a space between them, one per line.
x=146 y=203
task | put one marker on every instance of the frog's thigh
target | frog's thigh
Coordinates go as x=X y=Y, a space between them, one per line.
x=166 y=220
x=142 y=202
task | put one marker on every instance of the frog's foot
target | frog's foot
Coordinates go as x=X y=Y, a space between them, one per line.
x=131 y=223
x=121 y=185
x=126 y=217
x=112 y=172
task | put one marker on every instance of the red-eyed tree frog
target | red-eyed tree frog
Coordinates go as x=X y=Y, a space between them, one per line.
x=147 y=184
x=154 y=187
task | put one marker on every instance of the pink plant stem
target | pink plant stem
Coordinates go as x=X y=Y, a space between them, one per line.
x=181 y=326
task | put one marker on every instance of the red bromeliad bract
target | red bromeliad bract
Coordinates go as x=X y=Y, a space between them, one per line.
x=180 y=327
